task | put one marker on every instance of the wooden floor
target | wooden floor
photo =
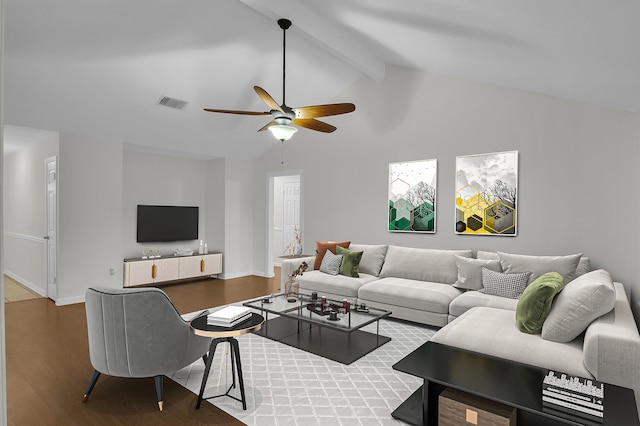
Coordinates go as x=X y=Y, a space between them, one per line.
x=48 y=366
x=16 y=292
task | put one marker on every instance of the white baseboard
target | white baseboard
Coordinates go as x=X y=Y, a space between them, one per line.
x=26 y=283
x=69 y=300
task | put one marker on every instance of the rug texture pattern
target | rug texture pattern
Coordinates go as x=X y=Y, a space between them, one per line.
x=287 y=386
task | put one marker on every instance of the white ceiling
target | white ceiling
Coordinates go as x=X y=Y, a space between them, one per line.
x=100 y=67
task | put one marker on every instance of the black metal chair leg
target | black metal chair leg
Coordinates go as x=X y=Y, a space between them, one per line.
x=204 y=359
x=92 y=383
x=159 y=390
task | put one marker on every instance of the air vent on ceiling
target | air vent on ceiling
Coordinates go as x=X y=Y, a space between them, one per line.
x=171 y=102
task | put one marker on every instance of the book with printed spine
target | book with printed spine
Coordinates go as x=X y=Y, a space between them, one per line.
x=574 y=395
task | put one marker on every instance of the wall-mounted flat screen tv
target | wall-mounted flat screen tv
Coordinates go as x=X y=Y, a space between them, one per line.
x=167 y=223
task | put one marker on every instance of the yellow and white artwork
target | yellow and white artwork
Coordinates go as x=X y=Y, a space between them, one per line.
x=486 y=194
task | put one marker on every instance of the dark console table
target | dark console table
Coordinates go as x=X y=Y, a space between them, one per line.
x=510 y=383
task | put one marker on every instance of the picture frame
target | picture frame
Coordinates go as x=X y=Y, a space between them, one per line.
x=486 y=194
x=412 y=195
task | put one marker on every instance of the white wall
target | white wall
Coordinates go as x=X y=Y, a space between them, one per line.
x=90 y=215
x=158 y=179
x=577 y=171
x=24 y=213
x=239 y=214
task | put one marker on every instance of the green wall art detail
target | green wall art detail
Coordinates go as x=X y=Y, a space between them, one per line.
x=486 y=194
x=412 y=196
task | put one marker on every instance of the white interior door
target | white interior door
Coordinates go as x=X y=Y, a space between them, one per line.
x=52 y=227
x=291 y=214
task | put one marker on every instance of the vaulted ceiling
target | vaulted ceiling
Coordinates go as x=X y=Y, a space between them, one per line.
x=100 y=67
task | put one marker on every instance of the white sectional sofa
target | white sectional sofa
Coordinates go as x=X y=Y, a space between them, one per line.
x=421 y=285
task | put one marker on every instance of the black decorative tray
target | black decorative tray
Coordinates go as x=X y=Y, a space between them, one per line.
x=315 y=308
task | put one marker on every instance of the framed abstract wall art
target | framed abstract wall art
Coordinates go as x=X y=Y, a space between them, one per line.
x=412 y=196
x=486 y=194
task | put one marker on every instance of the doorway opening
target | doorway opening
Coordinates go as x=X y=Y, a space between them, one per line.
x=285 y=213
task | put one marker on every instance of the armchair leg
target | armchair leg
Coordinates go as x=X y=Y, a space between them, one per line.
x=159 y=390
x=92 y=383
x=204 y=359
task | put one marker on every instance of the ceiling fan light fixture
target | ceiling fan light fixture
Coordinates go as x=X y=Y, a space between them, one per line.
x=282 y=132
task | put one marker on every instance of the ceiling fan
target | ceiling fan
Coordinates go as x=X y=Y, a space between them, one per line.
x=284 y=117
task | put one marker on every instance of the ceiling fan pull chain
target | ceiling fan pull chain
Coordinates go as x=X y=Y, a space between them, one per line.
x=282 y=152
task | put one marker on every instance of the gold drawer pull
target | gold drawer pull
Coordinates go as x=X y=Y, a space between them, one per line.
x=202 y=265
x=153 y=271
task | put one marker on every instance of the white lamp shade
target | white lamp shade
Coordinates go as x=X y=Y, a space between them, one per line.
x=282 y=132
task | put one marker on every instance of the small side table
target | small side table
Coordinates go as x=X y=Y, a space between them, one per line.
x=200 y=327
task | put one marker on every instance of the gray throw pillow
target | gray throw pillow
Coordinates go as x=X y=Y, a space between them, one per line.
x=331 y=263
x=470 y=272
x=540 y=265
x=504 y=285
x=372 y=257
x=579 y=303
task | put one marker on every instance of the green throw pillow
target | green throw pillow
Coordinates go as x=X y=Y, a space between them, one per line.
x=350 y=262
x=535 y=303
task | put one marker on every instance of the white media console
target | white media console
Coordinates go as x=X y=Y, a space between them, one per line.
x=147 y=271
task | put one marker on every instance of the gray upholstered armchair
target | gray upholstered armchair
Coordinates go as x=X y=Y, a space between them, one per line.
x=138 y=333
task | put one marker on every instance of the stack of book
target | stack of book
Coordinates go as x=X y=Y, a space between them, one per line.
x=229 y=316
x=573 y=395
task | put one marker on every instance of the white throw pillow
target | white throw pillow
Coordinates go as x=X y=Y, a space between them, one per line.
x=331 y=263
x=580 y=302
x=470 y=272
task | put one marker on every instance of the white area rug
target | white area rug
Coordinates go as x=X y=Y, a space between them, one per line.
x=288 y=386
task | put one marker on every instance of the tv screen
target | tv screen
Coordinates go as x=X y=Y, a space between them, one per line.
x=167 y=223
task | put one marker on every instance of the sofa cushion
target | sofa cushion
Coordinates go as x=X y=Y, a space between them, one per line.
x=438 y=266
x=470 y=272
x=584 y=265
x=539 y=265
x=580 y=302
x=420 y=295
x=321 y=249
x=338 y=285
x=535 y=303
x=331 y=263
x=471 y=299
x=493 y=332
x=503 y=284
x=372 y=257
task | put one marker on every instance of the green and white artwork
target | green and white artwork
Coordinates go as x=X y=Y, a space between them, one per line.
x=412 y=196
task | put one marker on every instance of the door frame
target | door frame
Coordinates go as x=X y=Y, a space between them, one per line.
x=51 y=263
x=269 y=255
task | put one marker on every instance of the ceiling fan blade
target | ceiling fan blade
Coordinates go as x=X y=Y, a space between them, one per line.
x=271 y=103
x=230 y=111
x=266 y=126
x=313 y=124
x=323 y=110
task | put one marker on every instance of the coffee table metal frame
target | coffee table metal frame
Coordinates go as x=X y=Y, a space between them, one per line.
x=200 y=327
x=291 y=317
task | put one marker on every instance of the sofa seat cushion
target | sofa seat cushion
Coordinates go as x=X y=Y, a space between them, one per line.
x=334 y=284
x=471 y=299
x=420 y=295
x=493 y=331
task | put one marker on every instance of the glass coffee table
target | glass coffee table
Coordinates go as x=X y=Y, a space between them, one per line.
x=302 y=324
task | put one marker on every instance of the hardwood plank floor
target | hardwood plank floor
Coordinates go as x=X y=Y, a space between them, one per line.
x=48 y=366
